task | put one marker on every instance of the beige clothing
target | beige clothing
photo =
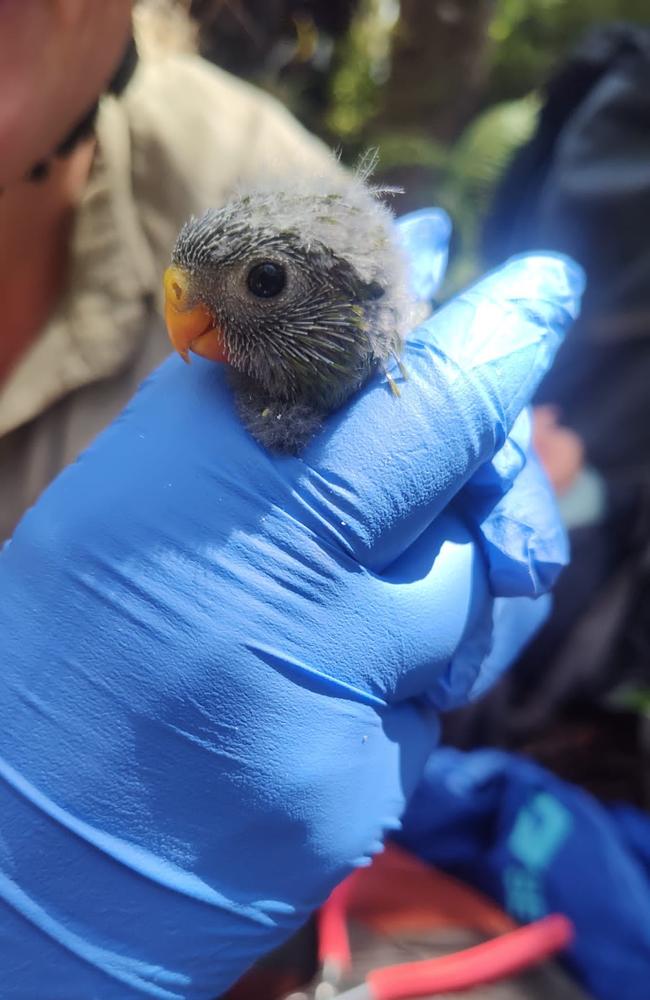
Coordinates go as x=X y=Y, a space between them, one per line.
x=181 y=138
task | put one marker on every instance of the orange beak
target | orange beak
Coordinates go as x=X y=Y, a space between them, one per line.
x=190 y=328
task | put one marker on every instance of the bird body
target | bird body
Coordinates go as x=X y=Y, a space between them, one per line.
x=301 y=290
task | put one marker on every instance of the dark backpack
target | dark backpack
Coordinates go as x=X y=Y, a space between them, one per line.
x=581 y=186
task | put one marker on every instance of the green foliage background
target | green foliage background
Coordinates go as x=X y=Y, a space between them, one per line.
x=532 y=35
x=445 y=118
x=526 y=39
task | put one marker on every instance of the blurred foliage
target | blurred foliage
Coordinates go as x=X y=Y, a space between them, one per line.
x=446 y=89
x=464 y=173
x=289 y=47
x=632 y=698
x=531 y=36
x=362 y=69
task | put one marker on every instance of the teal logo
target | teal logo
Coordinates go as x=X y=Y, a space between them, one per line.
x=540 y=829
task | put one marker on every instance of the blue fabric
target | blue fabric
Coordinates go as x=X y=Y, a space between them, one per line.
x=215 y=659
x=538 y=845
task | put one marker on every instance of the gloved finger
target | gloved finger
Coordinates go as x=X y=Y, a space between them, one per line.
x=456 y=638
x=497 y=630
x=439 y=599
x=521 y=535
x=494 y=478
x=544 y=289
x=384 y=468
x=515 y=622
x=425 y=236
x=403 y=628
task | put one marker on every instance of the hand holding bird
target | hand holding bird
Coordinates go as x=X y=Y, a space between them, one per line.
x=209 y=714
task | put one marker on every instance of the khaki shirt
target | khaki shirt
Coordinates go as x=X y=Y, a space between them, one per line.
x=181 y=138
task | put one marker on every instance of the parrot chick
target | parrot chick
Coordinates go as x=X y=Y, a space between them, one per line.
x=301 y=291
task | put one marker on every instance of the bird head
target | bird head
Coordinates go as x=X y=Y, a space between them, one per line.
x=286 y=288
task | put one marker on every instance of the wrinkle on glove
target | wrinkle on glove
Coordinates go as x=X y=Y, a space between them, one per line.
x=478 y=358
x=214 y=658
x=520 y=533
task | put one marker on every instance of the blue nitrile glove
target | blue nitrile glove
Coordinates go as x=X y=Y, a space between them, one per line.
x=211 y=654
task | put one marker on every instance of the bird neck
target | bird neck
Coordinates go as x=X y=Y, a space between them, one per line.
x=35 y=225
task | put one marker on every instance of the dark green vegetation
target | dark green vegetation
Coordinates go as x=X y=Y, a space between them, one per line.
x=446 y=89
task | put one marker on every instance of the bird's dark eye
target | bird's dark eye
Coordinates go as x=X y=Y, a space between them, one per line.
x=267 y=279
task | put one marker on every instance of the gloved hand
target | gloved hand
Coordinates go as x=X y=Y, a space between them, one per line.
x=215 y=659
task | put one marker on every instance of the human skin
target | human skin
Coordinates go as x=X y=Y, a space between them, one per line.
x=559 y=448
x=56 y=56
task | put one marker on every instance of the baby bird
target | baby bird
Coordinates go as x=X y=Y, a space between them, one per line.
x=301 y=291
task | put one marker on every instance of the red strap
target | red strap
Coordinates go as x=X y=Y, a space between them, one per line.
x=495 y=959
x=333 y=938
